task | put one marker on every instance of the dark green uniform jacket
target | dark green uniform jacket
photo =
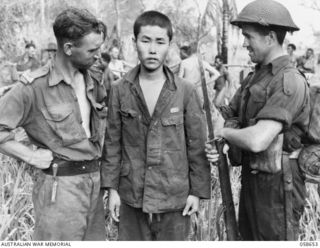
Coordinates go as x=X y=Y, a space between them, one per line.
x=156 y=161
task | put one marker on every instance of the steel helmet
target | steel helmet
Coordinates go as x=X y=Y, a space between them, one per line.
x=309 y=163
x=266 y=13
x=51 y=47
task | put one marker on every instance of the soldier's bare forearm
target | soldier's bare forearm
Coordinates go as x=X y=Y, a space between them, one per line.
x=40 y=158
x=16 y=150
x=255 y=138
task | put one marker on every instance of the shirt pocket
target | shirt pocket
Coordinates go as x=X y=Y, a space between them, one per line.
x=258 y=97
x=125 y=169
x=64 y=124
x=173 y=132
x=131 y=128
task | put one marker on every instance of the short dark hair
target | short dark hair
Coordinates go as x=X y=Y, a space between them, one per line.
x=293 y=46
x=311 y=50
x=106 y=57
x=73 y=24
x=186 y=50
x=31 y=44
x=152 y=18
x=265 y=30
x=219 y=57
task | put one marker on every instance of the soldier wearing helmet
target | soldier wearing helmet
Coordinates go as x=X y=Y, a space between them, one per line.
x=272 y=109
x=48 y=53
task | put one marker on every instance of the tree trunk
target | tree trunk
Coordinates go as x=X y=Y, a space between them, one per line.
x=42 y=13
x=118 y=25
x=219 y=43
x=225 y=31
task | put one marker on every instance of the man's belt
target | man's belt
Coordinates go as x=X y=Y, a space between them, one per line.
x=72 y=168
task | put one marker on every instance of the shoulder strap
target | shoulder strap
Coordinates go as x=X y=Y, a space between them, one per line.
x=29 y=76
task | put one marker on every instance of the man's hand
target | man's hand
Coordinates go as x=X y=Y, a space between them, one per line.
x=20 y=135
x=192 y=205
x=40 y=158
x=211 y=153
x=114 y=204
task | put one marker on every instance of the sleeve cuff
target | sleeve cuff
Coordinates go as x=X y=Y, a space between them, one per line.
x=276 y=114
x=6 y=136
x=202 y=195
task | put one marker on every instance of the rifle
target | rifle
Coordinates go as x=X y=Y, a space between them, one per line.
x=223 y=168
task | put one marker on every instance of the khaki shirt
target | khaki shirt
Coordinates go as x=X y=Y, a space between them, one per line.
x=275 y=91
x=47 y=108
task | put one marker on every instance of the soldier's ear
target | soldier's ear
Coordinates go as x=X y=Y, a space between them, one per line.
x=273 y=36
x=67 y=48
x=134 y=42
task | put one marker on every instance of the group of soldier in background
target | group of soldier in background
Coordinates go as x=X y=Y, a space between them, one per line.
x=305 y=63
x=109 y=68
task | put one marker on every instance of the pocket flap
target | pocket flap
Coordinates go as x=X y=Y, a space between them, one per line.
x=258 y=93
x=172 y=120
x=57 y=113
x=125 y=169
x=128 y=112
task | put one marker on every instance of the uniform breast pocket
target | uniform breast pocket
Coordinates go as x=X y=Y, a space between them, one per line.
x=258 y=97
x=130 y=126
x=63 y=122
x=173 y=131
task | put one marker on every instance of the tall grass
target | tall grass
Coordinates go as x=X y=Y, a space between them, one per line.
x=16 y=209
x=17 y=216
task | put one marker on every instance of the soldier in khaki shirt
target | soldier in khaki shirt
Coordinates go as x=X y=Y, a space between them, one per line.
x=270 y=106
x=60 y=106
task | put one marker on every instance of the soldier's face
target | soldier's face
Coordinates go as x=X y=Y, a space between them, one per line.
x=256 y=43
x=115 y=53
x=31 y=52
x=87 y=51
x=289 y=50
x=309 y=53
x=218 y=62
x=152 y=46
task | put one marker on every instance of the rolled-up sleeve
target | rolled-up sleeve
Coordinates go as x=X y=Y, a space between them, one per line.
x=111 y=158
x=15 y=108
x=196 y=136
x=287 y=100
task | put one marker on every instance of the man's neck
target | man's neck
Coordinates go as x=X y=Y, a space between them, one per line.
x=273 y=54
x=66 y=68
x=157 y=75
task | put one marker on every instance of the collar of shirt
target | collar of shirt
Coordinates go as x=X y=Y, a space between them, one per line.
x=133 y=77
x=57 y=77
x=275 y=65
